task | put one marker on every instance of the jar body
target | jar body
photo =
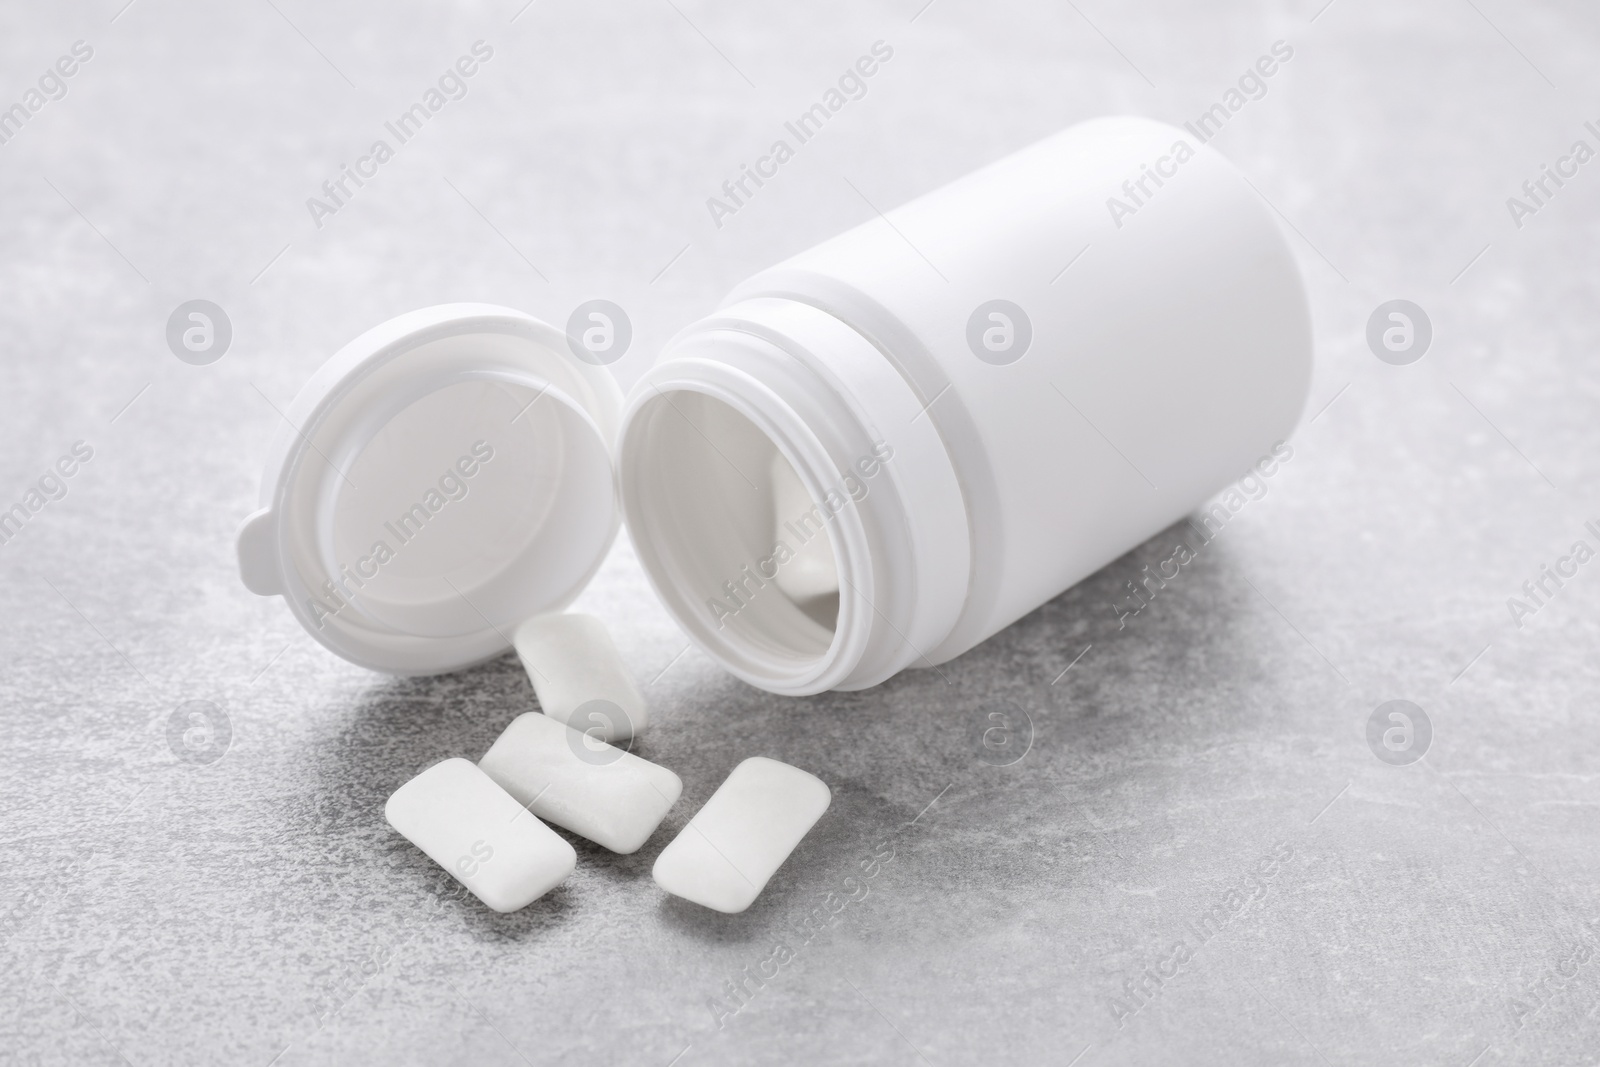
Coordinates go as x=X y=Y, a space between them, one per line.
x=1072 y=348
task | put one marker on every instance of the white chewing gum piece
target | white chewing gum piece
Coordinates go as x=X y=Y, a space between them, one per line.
x=596 y=790
x=579 y=676
x=796 y=520
x=475 y=830
x=733 y=845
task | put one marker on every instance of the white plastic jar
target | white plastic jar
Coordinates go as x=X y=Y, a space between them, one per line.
x=874 y=456
x=976 y=425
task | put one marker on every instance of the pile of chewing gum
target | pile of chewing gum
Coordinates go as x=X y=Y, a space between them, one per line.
x=485 y=822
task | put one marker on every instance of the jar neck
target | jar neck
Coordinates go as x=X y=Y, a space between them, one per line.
x=767 y=396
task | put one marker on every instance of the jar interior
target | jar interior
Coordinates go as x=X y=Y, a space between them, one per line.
x=732 y=536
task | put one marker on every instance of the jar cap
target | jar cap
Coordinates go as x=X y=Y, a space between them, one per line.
x=442 y=478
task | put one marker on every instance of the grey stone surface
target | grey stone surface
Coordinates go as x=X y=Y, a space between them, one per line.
x=160 y=911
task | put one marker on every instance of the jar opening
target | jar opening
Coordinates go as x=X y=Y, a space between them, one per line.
x=732 y=537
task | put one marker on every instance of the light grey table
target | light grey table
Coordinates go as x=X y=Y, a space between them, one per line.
x=257 y=906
